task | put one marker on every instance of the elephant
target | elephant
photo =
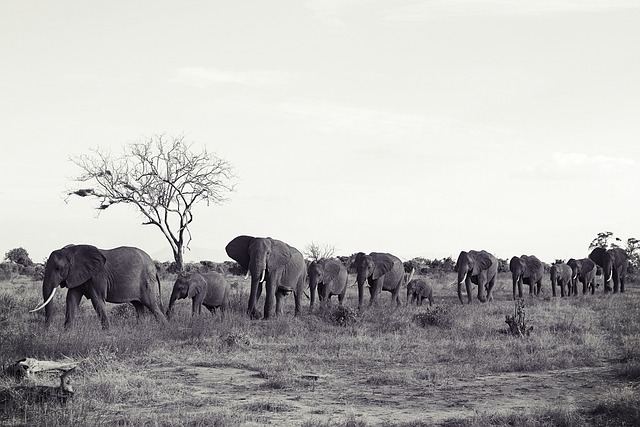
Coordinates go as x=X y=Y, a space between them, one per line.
x=268 y=260
x=527 y=269
x=583 y=270
x=119 y=275
x=381 y=271
x=208 y=289
x=560 y=274
x=329 y=276
x=418 y=290
x=480 y=268
x=614 y=263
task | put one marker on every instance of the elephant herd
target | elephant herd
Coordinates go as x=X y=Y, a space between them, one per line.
x=127 y=274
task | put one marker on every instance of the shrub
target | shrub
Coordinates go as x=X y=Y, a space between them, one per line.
x=434 y=316
x=342 y=315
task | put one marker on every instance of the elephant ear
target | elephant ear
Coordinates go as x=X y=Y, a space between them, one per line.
x=587 y=265
x=280 y=254
x=85 y=261
x=533 y=265
x=197 y=284
x=383 y=264
x=598 y=255
x=331 y=271
x=514 y=263
x=482 y=262
x=238 y=249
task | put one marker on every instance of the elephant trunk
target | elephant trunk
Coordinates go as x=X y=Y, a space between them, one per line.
x=361 y=279
x=462 y=278
x=313 y=286
x=481 y=295
x=258 y=275
x=49 y=286
x=172 y=300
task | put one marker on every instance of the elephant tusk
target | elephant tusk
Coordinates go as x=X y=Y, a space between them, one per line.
x=46 y=302
x=463 y=279
x=246 y=276
x=262 y=276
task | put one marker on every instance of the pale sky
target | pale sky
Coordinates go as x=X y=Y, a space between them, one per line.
x=419 y=128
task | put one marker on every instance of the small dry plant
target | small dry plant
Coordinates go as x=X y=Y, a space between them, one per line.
x=517 y=323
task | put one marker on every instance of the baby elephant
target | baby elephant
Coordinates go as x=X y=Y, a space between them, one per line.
x=419 y=289
x=208 y=289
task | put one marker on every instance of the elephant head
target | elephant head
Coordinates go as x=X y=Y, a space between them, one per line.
x=69 y=267
x=321 y=273
x=583 y=270
x=614 y=263
x=527 y=269
x=262 y=257
x=475 y=267
x=372 y=268
x=186 y=285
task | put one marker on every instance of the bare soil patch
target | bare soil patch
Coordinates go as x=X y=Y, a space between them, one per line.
x=346 y=394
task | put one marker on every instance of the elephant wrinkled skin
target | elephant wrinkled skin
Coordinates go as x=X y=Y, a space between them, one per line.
x=120 y=275
x=273 y=262
x=560 y=274
x=583 y=270
x=419 y=290
x=527 y=269
x=208 y=289
x=329 y=277
x=479 y=268
x=381 y=271
x=614 y=263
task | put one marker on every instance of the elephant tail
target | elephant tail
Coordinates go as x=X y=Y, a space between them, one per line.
x=159 y=292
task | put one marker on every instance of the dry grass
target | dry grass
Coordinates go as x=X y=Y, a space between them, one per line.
x=386 y=347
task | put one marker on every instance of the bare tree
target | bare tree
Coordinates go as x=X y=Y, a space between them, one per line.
x=163 y=178
x=316 y=251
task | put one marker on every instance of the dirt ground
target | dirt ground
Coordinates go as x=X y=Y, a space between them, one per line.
x=333 y=397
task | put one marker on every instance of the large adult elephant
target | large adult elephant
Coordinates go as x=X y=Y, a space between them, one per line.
x=120 y=275
x=329 y=277
x=560 y=274
x=527 y=269
x=381 y=271
x=273 y=262
x=477 y=267
x=614 y=263
x=209 y=289
x=584 y=270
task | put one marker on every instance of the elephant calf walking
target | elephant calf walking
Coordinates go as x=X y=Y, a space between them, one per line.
x=208 y=289
x=419 y=290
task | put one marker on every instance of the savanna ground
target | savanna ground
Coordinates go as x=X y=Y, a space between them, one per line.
x=458 y=367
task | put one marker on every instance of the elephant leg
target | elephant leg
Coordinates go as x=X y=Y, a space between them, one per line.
x=279 y=295
x=297 y=302
x=73 y=301
x=375 y=289
x=490 y=286
x=270 y=295
x=100 y=307
x=341 y=297
x=621 y=278
x=139 y=309
x=616 y=283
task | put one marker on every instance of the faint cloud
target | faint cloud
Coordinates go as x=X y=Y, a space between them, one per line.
x=205 y=77
x=562 y=166
x=425 y=10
